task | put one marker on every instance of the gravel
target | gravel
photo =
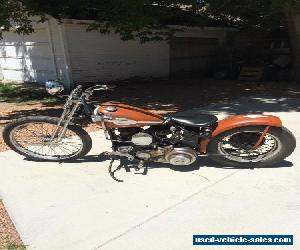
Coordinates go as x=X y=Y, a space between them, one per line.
x=9 y=237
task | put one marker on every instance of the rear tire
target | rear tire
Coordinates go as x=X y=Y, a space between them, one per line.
x=286 y=139
x=83 y=136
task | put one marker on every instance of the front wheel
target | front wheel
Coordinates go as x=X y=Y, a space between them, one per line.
x=32 y=137
x=238 y=147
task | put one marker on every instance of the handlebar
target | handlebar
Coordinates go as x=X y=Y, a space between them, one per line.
x=85 y=93
x=81 y=92
x=89 y=91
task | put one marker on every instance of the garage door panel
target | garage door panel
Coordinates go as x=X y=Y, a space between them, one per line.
x=40 y=36
x=27 y=57
x=12 y=51
x=19 y=75
x=12 y=63
x=22 y=51
x=13 y=75
x=27 y=63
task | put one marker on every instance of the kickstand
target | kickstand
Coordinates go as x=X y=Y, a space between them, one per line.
x=145 y=170
x=112 y=173
x=140 y=165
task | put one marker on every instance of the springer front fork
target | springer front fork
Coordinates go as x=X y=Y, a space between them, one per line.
x=69 y=110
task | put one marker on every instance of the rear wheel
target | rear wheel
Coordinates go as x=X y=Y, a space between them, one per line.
x=238 y=147
x=32 y=137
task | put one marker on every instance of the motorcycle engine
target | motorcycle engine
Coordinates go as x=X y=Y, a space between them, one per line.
x=158 y=145
x=175 y=156
x=142 y=139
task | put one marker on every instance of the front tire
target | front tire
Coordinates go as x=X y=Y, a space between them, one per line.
x=283 y=145
x=25 y=135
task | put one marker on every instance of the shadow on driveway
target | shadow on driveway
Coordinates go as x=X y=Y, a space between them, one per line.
x=132 y=166
x=172 y=95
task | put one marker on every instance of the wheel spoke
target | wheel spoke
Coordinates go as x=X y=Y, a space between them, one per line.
x=35 y=139
x=239 y=146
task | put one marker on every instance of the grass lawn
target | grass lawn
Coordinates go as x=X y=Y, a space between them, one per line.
x=16 y=93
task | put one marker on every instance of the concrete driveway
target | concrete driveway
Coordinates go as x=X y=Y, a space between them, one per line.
x=79 y=206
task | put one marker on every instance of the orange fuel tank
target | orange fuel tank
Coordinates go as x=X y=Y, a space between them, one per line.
x=119 y=115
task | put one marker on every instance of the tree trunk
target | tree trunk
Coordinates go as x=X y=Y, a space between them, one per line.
x=293 y=19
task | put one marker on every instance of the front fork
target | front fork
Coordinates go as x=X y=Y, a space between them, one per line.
x=65 y=119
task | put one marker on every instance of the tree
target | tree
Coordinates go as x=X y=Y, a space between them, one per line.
x=150 y=19
x=132 y=18
x=146 y=19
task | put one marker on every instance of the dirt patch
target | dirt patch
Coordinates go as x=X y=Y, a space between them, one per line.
x=9 y=237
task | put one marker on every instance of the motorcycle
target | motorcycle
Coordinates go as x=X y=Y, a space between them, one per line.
x=251 y=140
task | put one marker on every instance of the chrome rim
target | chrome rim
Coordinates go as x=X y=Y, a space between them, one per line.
x=34 y=139
x=240 y=146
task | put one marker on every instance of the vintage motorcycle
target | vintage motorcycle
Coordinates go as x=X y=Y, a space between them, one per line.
x=138 y=134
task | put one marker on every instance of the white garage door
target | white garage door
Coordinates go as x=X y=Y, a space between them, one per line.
x=27 y=58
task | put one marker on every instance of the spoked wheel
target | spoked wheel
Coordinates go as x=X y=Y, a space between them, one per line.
x=240 y=146
x=251 y=146
x=33 y=138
